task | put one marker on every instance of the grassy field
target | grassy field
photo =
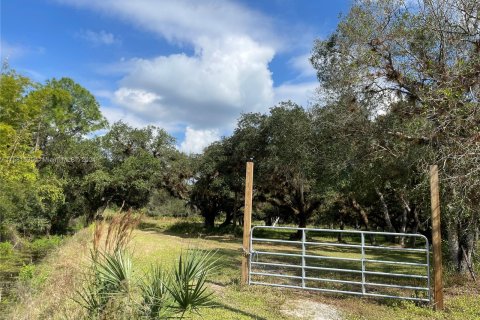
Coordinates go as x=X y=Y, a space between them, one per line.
x=161 y=240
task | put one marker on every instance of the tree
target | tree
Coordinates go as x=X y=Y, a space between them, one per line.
x=212 y=191
x=419 y=64
x=288 y=175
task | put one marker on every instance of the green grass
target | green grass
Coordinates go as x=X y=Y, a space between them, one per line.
x=162 y=240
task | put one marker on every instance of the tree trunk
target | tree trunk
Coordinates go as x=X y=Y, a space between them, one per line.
x=342 y=227
x=228 y=219
x=405 y=214
x=364 y=216
x=302 y=215
x=209 y=220
x=235 y=209
x=386 y=214
x=461 y=240
x=416 y=226
x=453 y=243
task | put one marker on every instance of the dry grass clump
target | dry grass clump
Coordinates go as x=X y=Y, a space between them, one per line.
x=119 y=232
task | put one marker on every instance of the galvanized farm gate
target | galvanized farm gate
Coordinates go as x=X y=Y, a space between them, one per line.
x=341 y=261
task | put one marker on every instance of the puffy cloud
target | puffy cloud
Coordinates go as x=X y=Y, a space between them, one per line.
x=196 y=140
x=210 y=89
x=185 y=20
x=227 y=74
x=101 y=37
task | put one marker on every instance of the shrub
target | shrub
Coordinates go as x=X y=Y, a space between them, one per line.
x=40 y=247
x=6 y=249
x=163 y=204
x=27 y=272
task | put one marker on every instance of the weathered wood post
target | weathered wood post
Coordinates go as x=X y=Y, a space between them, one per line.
x=247 y=220
x=436 y=238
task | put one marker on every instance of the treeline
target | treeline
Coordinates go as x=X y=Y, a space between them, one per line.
x=399 y=90
x=54 y=170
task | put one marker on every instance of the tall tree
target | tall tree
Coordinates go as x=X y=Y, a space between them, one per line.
x=427 y=57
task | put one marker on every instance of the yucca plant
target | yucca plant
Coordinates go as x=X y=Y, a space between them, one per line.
x=187 y=284
x=181 y=290
x=110 y=279
x=156 y=301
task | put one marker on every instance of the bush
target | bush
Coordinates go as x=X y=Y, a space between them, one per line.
x=6 y=249
x=40 y=247
x=27 y=272
x=162 y=204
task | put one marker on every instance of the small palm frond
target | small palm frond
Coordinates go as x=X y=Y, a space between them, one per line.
x=114 y=272
x=188 y=281
x=155 y=296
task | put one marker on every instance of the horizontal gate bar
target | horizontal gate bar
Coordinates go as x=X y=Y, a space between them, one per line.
x=397 y=262
x=308 y=288
x=306 y=256
x=277 y=275
x=331 y=244
x=340 y=291
x=395 y=274
x=306 y=278
x=307 y=267
x=396 y=248
x=345 y=231
x=395 y=286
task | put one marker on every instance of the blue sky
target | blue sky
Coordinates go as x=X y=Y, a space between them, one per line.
x=189 y=66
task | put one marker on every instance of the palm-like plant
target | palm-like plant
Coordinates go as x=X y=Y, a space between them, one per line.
x=155 y=296
x=110 y=279
x=188 y=281
x=163 y=294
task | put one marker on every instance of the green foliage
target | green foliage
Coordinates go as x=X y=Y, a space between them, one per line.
x=188 y=284
x=397 y=82
x=110 y=289
x=27 y=273
x=163 y=204
x=52 y=173
x=41 y=246
x=6 y=249
x=155 y=295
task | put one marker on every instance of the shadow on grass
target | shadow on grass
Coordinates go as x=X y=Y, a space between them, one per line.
x=238 y=311
x=189 y=230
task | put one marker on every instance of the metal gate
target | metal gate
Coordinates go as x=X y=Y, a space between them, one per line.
x=361 y=263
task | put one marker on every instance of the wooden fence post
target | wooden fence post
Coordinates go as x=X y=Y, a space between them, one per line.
x=247 y=220
x=436 y=238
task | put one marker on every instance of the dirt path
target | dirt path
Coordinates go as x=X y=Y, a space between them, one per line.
x=311 y=310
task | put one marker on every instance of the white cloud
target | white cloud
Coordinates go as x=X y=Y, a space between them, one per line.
x=302 y=65
x=97 y=38
x=185 y=20
x=196 y=140
x=205 y=91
